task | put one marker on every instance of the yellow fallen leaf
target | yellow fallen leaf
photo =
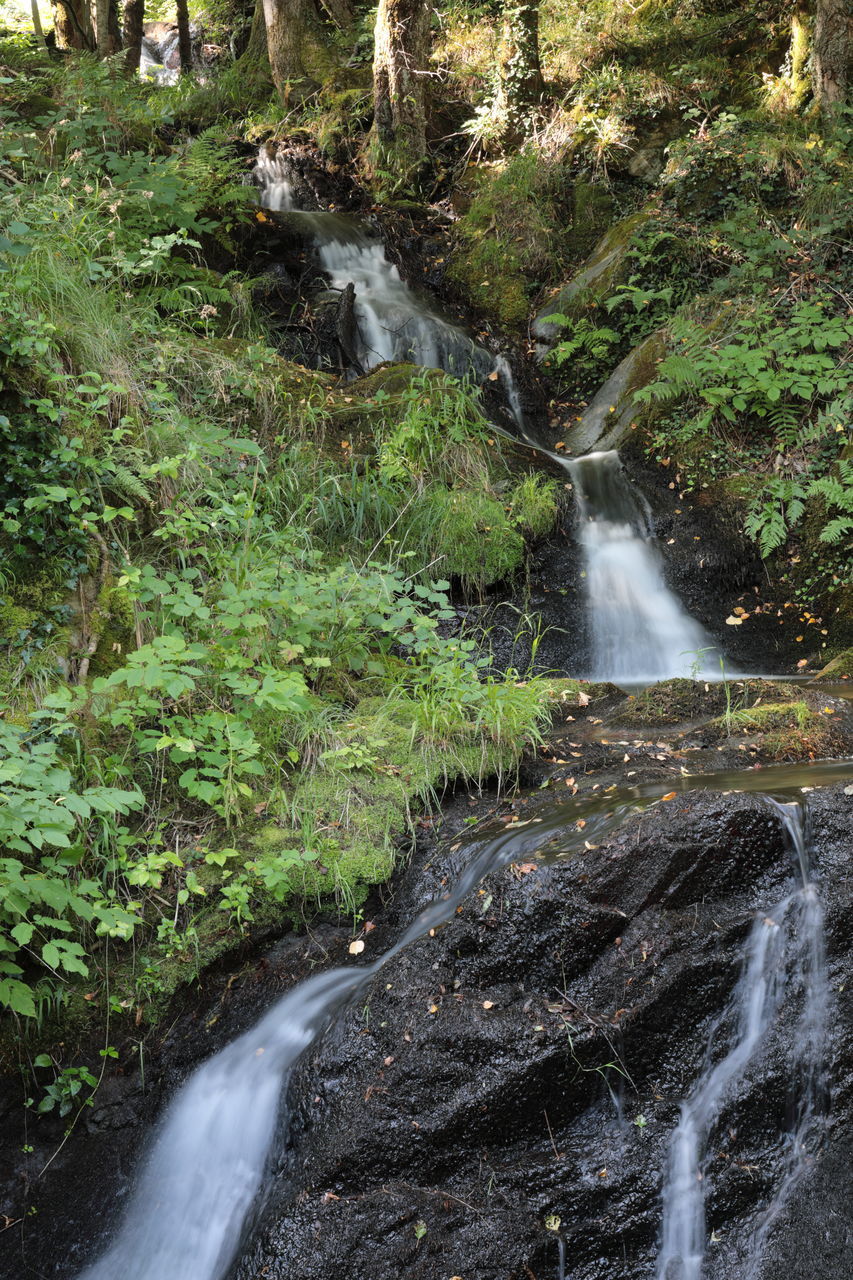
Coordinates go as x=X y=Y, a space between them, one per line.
x=732 y=621
x=670 y=795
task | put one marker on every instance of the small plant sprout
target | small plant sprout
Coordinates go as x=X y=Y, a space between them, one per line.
x=553 y=1222
x=641 y=1122
x=420 y=1230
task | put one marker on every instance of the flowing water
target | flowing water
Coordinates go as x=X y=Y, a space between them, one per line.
x=207 y=1164
x=205 y=1171
x=391 y=322
x=639 y=630
x=784 y=960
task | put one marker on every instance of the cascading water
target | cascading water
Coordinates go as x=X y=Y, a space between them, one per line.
x=639 y=631
x=784 y=960
x=207 y=1164
x=391 y=322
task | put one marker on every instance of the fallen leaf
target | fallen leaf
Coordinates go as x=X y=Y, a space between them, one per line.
x=488 y=1004
x=356 y=948
x=732 y=621
x=494 y=375
x=670 y=795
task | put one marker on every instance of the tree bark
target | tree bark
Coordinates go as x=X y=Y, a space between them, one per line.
x=134 y=17
x=102 y=31
x=341 y=12
x=831 y=54
x=185 y=50
x=72 y=24
x=401 y=50
x=37 y=27
x=520 y=85
x=256 y=45
x=296 y=46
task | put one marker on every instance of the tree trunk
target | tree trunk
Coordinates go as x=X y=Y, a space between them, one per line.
x=341 y=13
x=831 y=54
x=102 y=20
x=134 y=17
x=520 y=86
x=185 y=49
x=37 y=27
x=72 y=24
x=401 y=49
x=296 y=46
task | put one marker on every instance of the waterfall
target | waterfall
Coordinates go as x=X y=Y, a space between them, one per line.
x=391 y=322
x=186 y=1218
x=639 y=631
x=187 y=1214
x=784 y=960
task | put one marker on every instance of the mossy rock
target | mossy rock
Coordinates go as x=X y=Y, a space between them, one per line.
x=474 y=539
x=840 y=668
x=790 y=730
x=492 y=281
x=613 y=414
x=36 y=106
x=678 y=701
x=606 y=268
x=360 y=808
x=592 y=215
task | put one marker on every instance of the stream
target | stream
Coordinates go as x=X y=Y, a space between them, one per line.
x=231 y=1171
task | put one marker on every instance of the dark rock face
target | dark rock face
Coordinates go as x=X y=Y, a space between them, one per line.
x=474 y=1093
x=524 y=1063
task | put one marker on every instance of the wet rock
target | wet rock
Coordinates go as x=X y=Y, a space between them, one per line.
x=601 y=273
x=472 y=1095
x=612 y=415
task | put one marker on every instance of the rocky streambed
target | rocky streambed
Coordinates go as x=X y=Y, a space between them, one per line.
x=507 y=1087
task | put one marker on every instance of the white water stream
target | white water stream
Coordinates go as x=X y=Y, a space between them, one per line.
x=187 y=1215
x=392 y=322
x=784 y=960
x=639 y=630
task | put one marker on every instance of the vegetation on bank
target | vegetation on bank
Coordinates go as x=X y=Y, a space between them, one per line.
x=228 y=668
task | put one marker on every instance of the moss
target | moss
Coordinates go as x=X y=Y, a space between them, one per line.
x=592 y=214
x=840 y=668
x=509 y=241
x=677 y=701
x=533 y=505
x=492 y=281
x=472 y=535
x=790 y=730
x=353 y=819
x=115 y=622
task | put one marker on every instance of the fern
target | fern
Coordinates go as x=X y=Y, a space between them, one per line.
x=837 y=491
x=128 y=484
x=785 y=420
x=777 y=510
